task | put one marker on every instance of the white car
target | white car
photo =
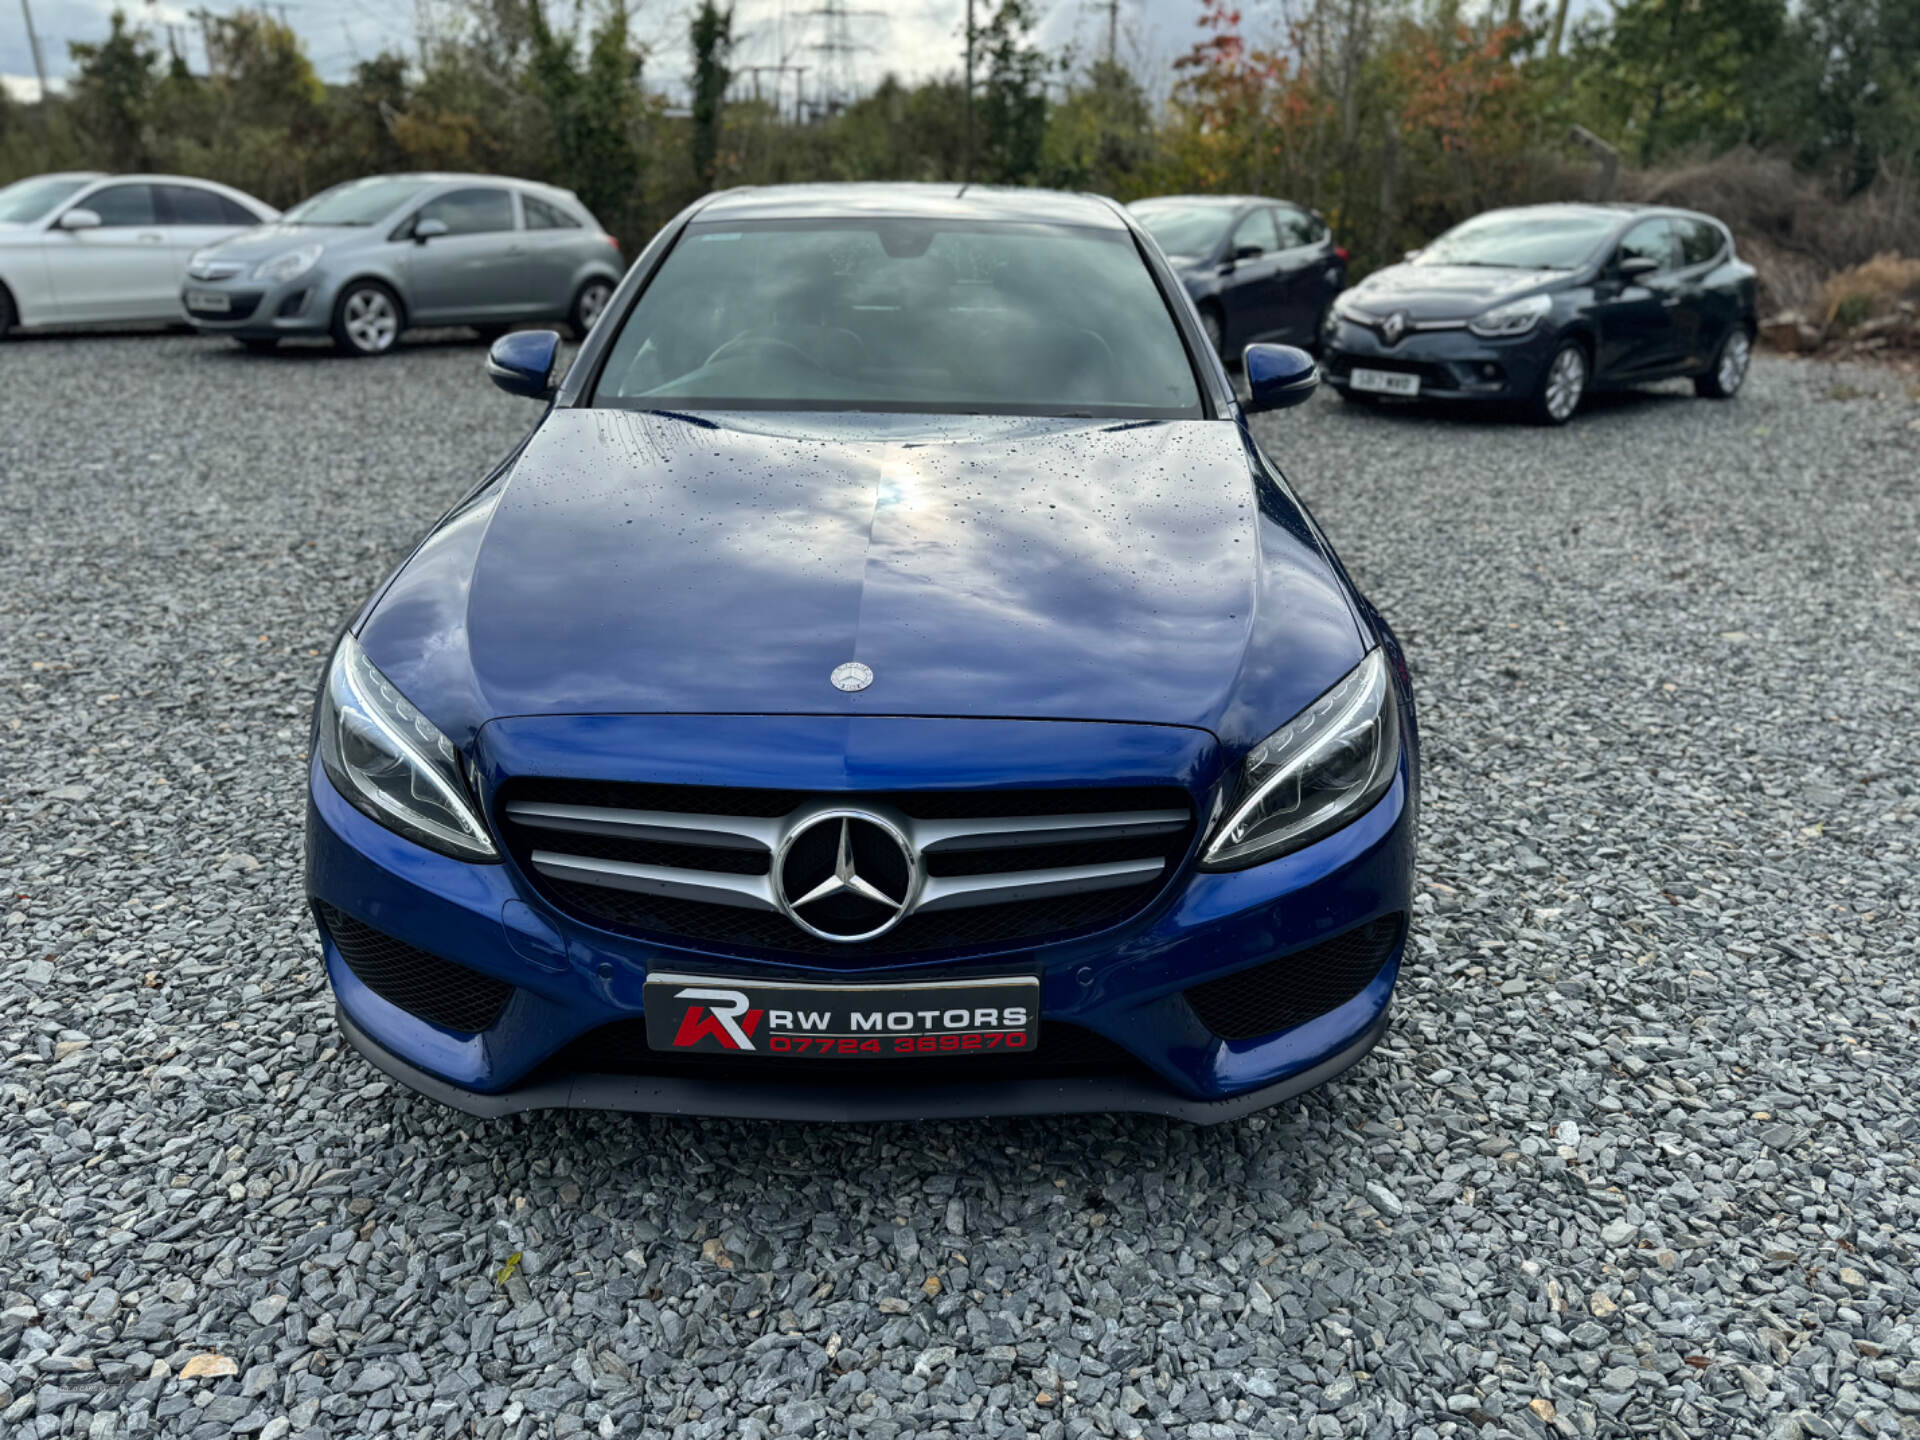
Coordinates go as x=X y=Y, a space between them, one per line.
x=82 y=248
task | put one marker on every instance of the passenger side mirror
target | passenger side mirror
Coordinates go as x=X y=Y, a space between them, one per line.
x=425 y=230
x=1633 y=267
x=522 y=363
x=80 y=218
x=1279 y=377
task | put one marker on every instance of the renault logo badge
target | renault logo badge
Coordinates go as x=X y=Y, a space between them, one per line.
x=1393 y=327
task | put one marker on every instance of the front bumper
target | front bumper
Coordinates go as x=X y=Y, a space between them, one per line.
x=257 y=311
x=1126 y=984
x=1451 y=364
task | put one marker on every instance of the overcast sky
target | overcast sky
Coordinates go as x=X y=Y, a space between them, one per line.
x=915 y=40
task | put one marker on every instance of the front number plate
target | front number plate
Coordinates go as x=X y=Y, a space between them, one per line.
x=211 y=301
x=1386 y=382
x=715 y=1015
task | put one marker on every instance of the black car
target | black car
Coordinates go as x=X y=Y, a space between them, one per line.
x=1257 y=269
x=1540 y=304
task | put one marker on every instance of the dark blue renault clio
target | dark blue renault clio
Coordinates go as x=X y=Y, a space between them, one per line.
x=889 y=682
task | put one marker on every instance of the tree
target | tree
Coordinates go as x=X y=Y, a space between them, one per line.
x=112 y=93
x=1849 y=87
x=1101 y=136
x=593 y=110
x=1013 y=106
x=1669 y=73
x=711 y=34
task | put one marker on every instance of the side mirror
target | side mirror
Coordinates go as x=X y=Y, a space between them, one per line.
x=80 y=218
x=425 y=230
x=522 y=363
x=1633 y=267
x=1411 y=255
x=1279 y=377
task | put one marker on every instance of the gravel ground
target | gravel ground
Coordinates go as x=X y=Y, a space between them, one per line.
x=1638 y=1159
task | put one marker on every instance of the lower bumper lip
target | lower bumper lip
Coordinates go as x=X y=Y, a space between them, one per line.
x=786 y=1097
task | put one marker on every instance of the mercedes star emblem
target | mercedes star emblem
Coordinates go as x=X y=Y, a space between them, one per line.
x=851 y=676
x=1393 y=327
x=846 y=876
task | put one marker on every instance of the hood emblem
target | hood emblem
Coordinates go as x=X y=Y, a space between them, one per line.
x=1393 y=327
x=851 y=676
x=846 y=876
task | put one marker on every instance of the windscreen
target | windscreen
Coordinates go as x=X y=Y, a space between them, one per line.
x=30 y=199
x=903 y=315
x=358 y=202
x=1522 y=240
x=1185 y=228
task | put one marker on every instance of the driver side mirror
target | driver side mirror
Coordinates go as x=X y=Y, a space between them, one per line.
x=425 y=230
x=1633 y=267
x=80 y=218
x=522 y=363
x=1278 y=377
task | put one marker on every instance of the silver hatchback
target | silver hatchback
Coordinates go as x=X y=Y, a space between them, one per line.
x=368 y=259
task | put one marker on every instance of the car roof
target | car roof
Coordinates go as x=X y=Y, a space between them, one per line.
x=1217 y=200
x=1607 y=209
x=911 y=201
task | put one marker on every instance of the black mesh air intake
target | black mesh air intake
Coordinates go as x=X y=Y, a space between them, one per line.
x=1292 y=990
x=436 y=990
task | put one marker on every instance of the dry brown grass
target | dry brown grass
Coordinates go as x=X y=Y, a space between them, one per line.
x=1862 y=292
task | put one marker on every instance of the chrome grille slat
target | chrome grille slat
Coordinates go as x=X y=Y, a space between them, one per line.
x=953 y=892
x=734 y=832
x=747 y=892
x=935 y=836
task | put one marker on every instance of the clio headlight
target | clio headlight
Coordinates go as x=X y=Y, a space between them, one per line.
x=1322 y=769
x=1516 y=318
x=289 y=265
x=392 y=763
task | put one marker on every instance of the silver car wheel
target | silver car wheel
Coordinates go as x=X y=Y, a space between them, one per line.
x=593 y=302
x=371 y=321
x=1566 y=382
x=1735 y=356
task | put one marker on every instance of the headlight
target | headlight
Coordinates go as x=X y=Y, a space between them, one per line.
x=285 y=267
x=392 y=762
x=1344 y=305
x=1513 y=319
x=1321 y=770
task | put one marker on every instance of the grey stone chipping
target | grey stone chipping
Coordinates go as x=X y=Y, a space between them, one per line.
x=1637 y=1159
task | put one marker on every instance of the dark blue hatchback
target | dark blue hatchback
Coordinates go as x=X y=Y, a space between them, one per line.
x=889 y=682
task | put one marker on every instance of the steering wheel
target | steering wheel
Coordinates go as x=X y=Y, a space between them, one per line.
x=760 y=340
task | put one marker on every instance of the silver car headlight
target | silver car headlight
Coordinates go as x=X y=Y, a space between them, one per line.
x=288 y=266
x=1345 y=306
x=1322 y=769
x=1516 y=318
x=392 y=762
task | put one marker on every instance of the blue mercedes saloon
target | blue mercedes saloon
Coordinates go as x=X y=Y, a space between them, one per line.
x=888 y=683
